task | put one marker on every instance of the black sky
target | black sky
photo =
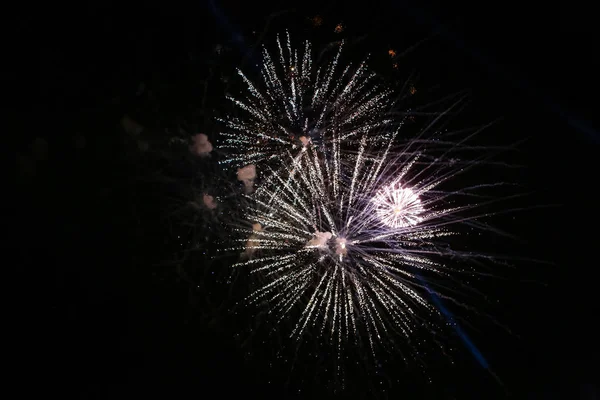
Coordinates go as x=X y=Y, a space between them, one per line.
x=111 y=324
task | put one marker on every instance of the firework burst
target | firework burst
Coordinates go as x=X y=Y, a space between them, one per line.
x=398 y=206
x=350 y=219
x=298 y=102
x=349 y=239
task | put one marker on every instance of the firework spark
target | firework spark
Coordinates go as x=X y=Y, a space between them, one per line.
x=298 y=102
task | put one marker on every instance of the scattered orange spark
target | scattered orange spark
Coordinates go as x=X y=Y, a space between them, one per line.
x=413 y=90
x=317 y=20
x=339 y=28
x=392 y=53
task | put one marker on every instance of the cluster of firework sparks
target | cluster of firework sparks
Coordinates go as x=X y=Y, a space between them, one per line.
x=348 y=215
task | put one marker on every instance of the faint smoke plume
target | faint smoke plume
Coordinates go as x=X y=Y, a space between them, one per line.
x=201 y=146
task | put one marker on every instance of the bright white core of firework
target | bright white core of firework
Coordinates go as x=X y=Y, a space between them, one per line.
x=398 y=206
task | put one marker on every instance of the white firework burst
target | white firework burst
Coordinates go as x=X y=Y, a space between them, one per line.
x=298 y=102
x=338 y=253
x=398 y=206
x=348 y=224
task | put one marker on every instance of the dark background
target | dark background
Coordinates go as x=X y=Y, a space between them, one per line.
x=112 y=323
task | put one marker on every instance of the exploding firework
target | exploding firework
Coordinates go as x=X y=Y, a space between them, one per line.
x=352 y=214
x=298 y=102
x=350 y=243
x=398 y=206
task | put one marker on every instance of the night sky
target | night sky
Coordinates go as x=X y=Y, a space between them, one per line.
x=121 y=316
